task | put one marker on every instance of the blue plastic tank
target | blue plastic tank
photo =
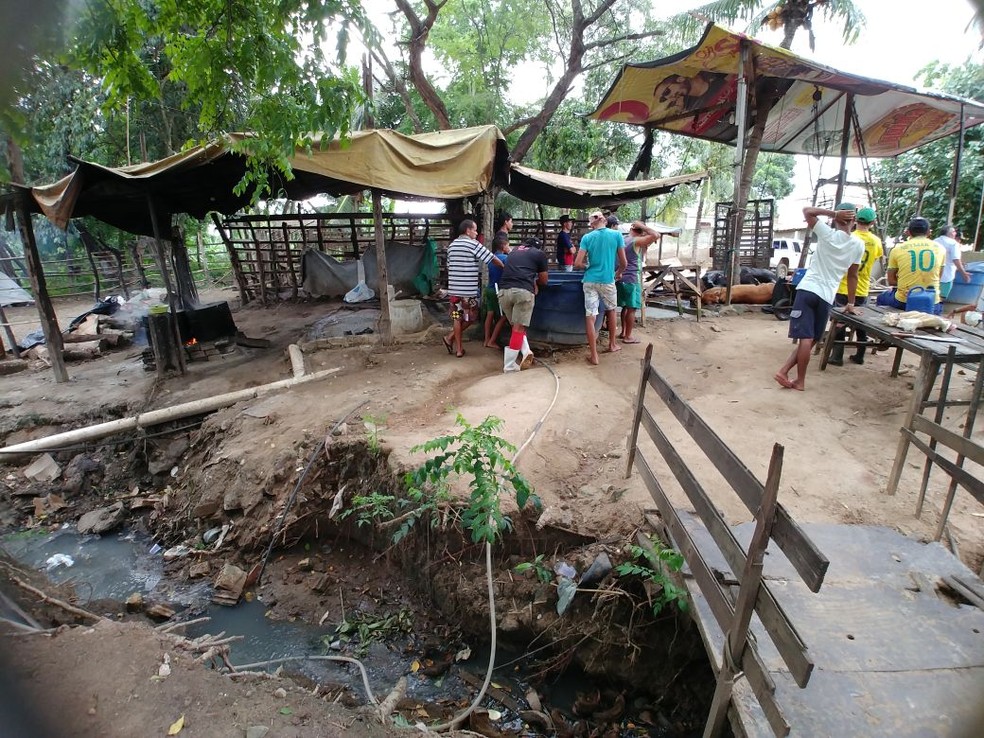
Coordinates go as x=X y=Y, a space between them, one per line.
x=558 y=313
x=923 y=300
x=798 y=275
x=968 y=293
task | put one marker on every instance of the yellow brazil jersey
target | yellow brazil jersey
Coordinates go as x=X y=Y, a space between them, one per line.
x=872 y=253
x=918 y=263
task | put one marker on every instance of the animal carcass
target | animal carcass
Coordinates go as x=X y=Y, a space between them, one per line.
x=741 y=294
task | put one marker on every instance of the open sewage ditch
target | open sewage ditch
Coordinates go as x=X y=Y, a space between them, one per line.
x=258 y=540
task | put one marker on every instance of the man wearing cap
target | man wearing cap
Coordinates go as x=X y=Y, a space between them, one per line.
x=565 y=247
x=525 y=271
x=602 y=253
x=838 y=251
x=872 y=253
x=916 y=262
x=953 y=262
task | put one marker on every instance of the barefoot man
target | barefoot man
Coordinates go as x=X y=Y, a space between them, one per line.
x=838 y=251
x=602 y=250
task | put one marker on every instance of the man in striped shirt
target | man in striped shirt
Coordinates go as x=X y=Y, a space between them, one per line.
x=465 y=257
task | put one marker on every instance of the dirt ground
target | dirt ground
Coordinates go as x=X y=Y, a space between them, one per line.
x=839 y=437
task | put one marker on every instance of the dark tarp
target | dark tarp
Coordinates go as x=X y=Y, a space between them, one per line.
x=693 y=93
x=439 y=165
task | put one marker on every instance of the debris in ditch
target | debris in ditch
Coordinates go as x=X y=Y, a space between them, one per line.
x=389 y=704
x=229 y=585
x=598 y=570
x=199 y=570
x=135 y=602
x=43 y=469
x=177 y=552
x=159 y=612
x=56 y=560
x=102 y=520
x=566 y=589
x=211 y=536
x=562 y=568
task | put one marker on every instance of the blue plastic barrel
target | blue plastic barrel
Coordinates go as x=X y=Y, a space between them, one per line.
x=798 y=275
x=923 y=300
x=558 y=313
x=968 y=293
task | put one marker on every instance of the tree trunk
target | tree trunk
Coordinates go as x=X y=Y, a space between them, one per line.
x=419 y=31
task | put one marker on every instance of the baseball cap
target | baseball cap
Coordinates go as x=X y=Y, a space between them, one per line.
x=611 y=221
x=533 y=243
x=845 y=206
x=565 y=218
x=866 y=215
x=918 y=225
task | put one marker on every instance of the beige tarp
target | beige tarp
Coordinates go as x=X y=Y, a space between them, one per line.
x=693 y=93
x=436 y=166
x=561 y=190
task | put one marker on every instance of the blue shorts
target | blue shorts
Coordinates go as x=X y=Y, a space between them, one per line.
x=808 y=318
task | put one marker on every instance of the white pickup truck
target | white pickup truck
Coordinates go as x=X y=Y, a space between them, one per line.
x=786 y=256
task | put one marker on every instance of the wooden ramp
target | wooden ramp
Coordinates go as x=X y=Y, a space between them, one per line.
x=896 y=652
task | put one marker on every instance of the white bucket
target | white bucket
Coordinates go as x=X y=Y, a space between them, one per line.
x=406 y=316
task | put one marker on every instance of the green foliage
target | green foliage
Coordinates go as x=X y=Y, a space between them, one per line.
x=369 y=628
x=653 y=567
x=371 y=508
x=255 y=65
x=372 y=425
x=933 y=164
x=537 y=566
x=477 y=454
x=773 y=176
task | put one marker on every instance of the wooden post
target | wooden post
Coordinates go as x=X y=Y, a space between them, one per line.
x=49 y=321
x=382 y=286
x=955 y=180
x=10 y=334
x=183 y=278
x=968 y=431
x=167 y=352
x=938 y=419
x=845 y=145
x=751 y=579
x=647 y=367
x=738 y=201
x=171 y=300
x=928 y=367
x=237 y=267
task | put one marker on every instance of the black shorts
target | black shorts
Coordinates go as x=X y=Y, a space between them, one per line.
x=808 y=318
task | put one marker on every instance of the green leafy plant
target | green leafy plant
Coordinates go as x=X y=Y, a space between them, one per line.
x=653 y=566
x=542 y=572
x=373 y=423
x=478 y=454
x=370 y=508
x=368 y=628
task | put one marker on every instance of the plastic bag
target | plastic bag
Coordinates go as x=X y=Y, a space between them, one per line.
x=361 y=292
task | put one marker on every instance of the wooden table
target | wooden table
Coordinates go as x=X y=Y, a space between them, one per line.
x=678 y=280
x=935 y=350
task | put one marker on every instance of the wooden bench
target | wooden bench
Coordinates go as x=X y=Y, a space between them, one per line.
x=732 y=612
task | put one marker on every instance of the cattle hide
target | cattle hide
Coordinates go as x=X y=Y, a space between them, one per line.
x=741 y=294
x=714 y=278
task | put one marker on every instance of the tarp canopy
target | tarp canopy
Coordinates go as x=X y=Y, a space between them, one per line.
x=560 y=190
x=693 y=93
x=434 y=166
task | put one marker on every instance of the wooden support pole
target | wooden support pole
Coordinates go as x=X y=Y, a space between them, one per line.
x=928 y=367
x=8 y=331
x=632 y=443
x=845 y=146
x=382 y=287
x=937 y=418
x=738 y=201
x=171 y=299
x=751 y=580
x=46 y=312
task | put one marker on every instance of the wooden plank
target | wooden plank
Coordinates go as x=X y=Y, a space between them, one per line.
x=640 y=406
x=808 y=560
x=964 y=446
x=788 y=642
x=764 y=689
x=967 y=480
x=716 y=600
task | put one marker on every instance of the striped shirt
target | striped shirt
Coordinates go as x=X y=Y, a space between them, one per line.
x=464 y=256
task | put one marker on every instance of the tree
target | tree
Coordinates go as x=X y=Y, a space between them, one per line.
x=933 y=163
x=479 y=44
x=773 y=176
x=255 y=65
